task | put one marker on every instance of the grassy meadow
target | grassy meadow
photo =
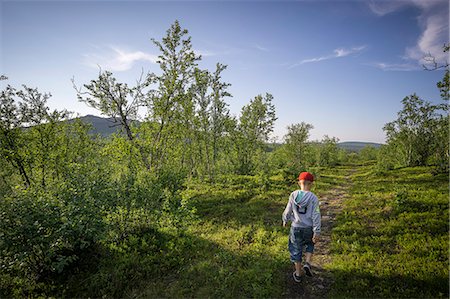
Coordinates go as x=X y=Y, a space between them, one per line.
x=390 y=240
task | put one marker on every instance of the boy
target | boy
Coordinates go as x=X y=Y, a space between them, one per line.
x=303 y=210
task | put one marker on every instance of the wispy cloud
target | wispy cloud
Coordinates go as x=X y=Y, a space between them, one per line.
x=384 y=7
x=337 y=53
x=261 y=48
x=433 y=21
x=396 y=66
x=114 y=58
x=205 y=53
x=432 y=39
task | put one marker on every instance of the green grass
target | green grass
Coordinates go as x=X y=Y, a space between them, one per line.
x=239 y=248
x=234 y=247
x=392 y=238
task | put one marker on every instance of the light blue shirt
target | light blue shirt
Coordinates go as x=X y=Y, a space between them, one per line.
x=303 y=210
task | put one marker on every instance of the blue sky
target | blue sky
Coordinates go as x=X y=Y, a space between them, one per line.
x=342 y=66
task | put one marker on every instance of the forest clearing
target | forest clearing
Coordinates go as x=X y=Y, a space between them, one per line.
x=375 y=242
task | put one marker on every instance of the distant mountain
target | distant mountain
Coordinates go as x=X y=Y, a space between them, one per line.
x=106 y=126
x=356 y=146
x=100 y=125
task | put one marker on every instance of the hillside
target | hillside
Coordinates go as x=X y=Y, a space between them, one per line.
x=356 y=146
x=100 y=125
x=107 y=126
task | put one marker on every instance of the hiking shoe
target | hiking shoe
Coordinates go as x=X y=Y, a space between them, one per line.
x=297 y=278
x=307 y=268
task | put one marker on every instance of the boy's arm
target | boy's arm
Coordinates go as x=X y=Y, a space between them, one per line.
x=287 y=211
x=316 y=219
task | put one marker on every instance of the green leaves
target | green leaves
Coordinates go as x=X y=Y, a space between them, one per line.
x=258 y=118
x=251 y=132
x=28 y=131
x=42 y=235
x=414 y=132
x=417 y=137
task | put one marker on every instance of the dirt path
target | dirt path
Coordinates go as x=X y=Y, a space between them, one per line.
x=319 y=285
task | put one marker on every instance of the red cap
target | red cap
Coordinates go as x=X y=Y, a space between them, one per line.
x=307 y=176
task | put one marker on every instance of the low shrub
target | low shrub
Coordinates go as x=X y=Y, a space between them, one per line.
x=42 y=236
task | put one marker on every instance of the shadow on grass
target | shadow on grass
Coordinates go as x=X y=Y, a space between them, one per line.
x=248 y=210
x=360 y=284
x=179 y=266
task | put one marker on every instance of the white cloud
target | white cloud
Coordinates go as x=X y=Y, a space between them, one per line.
x=116 y=59
x=261 y=48
x=396 y=66
x=341 y=52
x=204 y=53
x=432 y=39
x=433 y=21
x=384 y=7
x=337 y=53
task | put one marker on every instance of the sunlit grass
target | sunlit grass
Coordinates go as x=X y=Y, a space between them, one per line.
x=243 y=248
x=391 y=239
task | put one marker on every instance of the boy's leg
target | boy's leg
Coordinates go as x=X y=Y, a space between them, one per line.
x=307 y=265
x=295 y=249
x=308 y=256
x=298 y=268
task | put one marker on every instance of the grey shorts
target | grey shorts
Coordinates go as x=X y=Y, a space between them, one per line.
x=300 y=237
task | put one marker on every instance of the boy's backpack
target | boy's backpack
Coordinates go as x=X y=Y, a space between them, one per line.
x=301 y=203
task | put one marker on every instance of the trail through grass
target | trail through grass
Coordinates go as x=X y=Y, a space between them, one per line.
x=378 y=230
x=238 y=247
x=332 y=189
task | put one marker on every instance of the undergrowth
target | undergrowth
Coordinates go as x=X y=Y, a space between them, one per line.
x=226 y=240
x=391 y=239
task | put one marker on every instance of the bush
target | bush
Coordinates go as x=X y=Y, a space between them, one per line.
x=41 y=236
x=387 y=158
